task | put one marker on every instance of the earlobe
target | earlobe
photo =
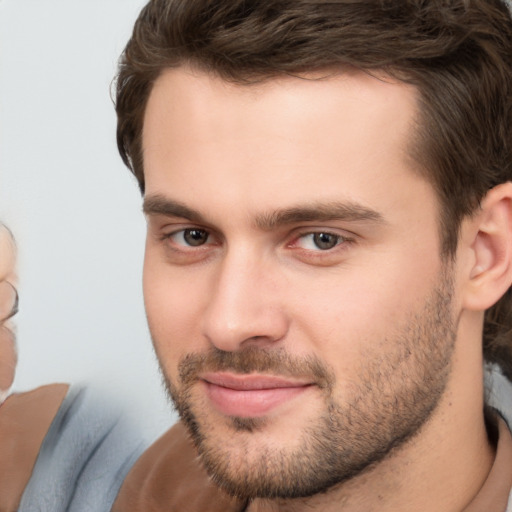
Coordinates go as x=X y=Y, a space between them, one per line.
x=490 y=274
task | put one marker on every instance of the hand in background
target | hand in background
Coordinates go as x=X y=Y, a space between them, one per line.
x=8 y=308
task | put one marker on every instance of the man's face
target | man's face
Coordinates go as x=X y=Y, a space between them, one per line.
x=295 y=294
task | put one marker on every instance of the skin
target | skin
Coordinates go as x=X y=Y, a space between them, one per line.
x=228 y=160
x=8 y=354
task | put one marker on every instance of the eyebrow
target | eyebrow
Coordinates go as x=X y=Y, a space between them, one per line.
x=319 y=212
x=311 y=212
x=160 y=205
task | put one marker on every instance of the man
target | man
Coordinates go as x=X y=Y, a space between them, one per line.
x=328 y=192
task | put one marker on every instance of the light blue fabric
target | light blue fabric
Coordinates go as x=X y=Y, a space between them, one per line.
x=84 y=458
x=499 y=396
x=499 y=392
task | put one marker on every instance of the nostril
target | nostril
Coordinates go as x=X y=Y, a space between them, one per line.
x=260 y=341
x=259 y=329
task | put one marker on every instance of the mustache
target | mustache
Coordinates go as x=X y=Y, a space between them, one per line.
x=255 y=360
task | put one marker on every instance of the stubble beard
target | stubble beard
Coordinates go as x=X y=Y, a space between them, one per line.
x=393 y=397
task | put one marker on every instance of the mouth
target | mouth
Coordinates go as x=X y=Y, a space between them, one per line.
x=251 y=395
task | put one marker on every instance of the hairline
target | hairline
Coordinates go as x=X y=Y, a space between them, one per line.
x=414 y=147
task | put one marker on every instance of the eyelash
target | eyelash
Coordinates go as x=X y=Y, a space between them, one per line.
x=341 y=240
x=169 y=236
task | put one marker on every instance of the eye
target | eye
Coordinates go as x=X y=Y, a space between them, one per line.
x=192 y=237
x=322 y=241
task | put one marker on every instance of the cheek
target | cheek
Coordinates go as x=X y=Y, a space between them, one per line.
x=170 y=313
x=348 y=316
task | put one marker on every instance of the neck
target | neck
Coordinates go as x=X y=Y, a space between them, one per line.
x=442 y=468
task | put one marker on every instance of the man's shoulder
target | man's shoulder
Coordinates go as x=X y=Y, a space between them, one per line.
x=169 y=476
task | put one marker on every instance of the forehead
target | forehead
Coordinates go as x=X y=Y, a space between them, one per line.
x=288 y=139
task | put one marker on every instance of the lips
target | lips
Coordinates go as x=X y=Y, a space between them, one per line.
x=250 y=396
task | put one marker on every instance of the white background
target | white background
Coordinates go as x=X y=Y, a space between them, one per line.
x=74 y=208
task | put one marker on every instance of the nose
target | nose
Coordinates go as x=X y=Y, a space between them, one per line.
x=245 y=307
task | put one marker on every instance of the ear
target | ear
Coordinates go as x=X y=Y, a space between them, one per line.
x=489 y=273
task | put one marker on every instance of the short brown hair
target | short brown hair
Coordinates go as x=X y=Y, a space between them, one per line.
x=458 y=53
